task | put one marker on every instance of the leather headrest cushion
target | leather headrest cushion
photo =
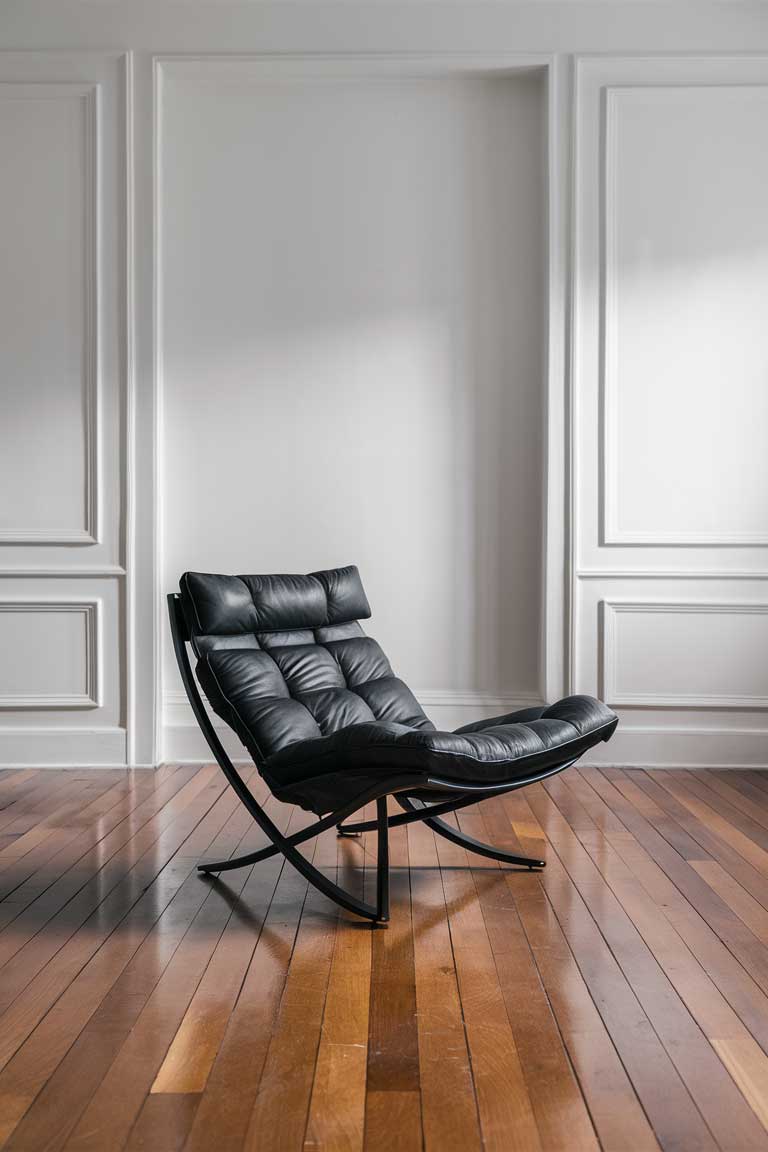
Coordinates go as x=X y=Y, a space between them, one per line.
x=228 y=605
x=344 y=594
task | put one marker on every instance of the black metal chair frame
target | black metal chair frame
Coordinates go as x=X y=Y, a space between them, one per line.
x=400 y=787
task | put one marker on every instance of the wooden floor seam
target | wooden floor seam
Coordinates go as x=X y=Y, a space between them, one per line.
x=616 y=1000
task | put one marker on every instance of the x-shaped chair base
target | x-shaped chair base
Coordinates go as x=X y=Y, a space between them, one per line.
x=414 y=810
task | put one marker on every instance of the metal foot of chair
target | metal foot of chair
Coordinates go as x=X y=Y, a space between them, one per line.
x=382 y=861
x=310 y=873
x=348 y=835
x=287 y=846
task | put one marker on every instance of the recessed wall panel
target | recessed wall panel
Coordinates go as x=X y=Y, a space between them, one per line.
x=48 y=337
x=352 y=348
x=684 y=326
x=685 y=655
x=50 y=654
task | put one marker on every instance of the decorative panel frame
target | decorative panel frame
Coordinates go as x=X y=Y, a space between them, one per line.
x=609 y=690
x=611 y=532
x=90 y=610
x=90 y=100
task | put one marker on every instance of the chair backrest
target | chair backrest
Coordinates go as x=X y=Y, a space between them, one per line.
x=283 y=658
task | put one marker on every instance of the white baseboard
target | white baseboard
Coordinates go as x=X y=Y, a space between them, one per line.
x=62 y=748
x=633 y=746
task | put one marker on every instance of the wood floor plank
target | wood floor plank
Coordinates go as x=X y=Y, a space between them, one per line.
x=754 y=915
x=39 y=788
x=666 y=814
x=751 y=844
x=84 y=883
x=710 y=1085
x=507 y=1119
x=281 y=1107
x=559 y=1107
x=736 y=791
x=48 y=861
x=44 y=815
x=114 y=1108
x=393 y=1057
x=614 y=1107
x=50 y=960
x=336 y=1121
x=700 y=995
x=728 y=930
x=657 y=1081
x=98 y=1008
x=222 y=1118
x=164 y=1123
x=617 y=1001
x=448 y=1104
x=393 y=1045
x=393 y=1120
x=194 y=1048
x=732 y=980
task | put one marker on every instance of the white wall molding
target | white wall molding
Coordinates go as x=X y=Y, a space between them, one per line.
x=91 y=696
x=612 y=531
x=95 y=747
x=139 y=723
x=723 y=574
x=87 y=571
x=558 y=559
x=673 y=746
x=684 y=669
x=609 y=653
x=72 y=383
x=88 y=95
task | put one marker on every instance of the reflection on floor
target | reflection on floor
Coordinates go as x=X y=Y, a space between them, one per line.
x=617 y=1000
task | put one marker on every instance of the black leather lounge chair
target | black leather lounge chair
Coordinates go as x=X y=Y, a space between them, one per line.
x=284 y=661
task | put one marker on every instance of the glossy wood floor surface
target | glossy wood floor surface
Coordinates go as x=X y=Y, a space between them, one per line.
x=619 y=1000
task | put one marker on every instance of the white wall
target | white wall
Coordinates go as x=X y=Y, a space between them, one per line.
x=352 y=352
x=585 y=359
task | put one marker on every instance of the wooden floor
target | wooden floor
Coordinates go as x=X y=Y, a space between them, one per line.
x=617 y=1000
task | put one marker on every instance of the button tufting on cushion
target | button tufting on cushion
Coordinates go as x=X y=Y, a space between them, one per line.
x=285 y=662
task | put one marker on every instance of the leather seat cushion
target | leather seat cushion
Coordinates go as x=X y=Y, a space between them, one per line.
x=284 y=660
x=493 y=751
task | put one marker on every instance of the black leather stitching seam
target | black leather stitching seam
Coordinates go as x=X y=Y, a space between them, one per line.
x=229 y=704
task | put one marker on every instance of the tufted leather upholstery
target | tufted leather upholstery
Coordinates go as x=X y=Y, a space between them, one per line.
x=284 y=660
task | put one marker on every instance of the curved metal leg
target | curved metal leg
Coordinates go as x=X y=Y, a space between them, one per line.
x=293 y=856
x=301 y=864
x=297 y=838
x=287 y=846
x=284 y=844
x=464 y=841
x=382 y=860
